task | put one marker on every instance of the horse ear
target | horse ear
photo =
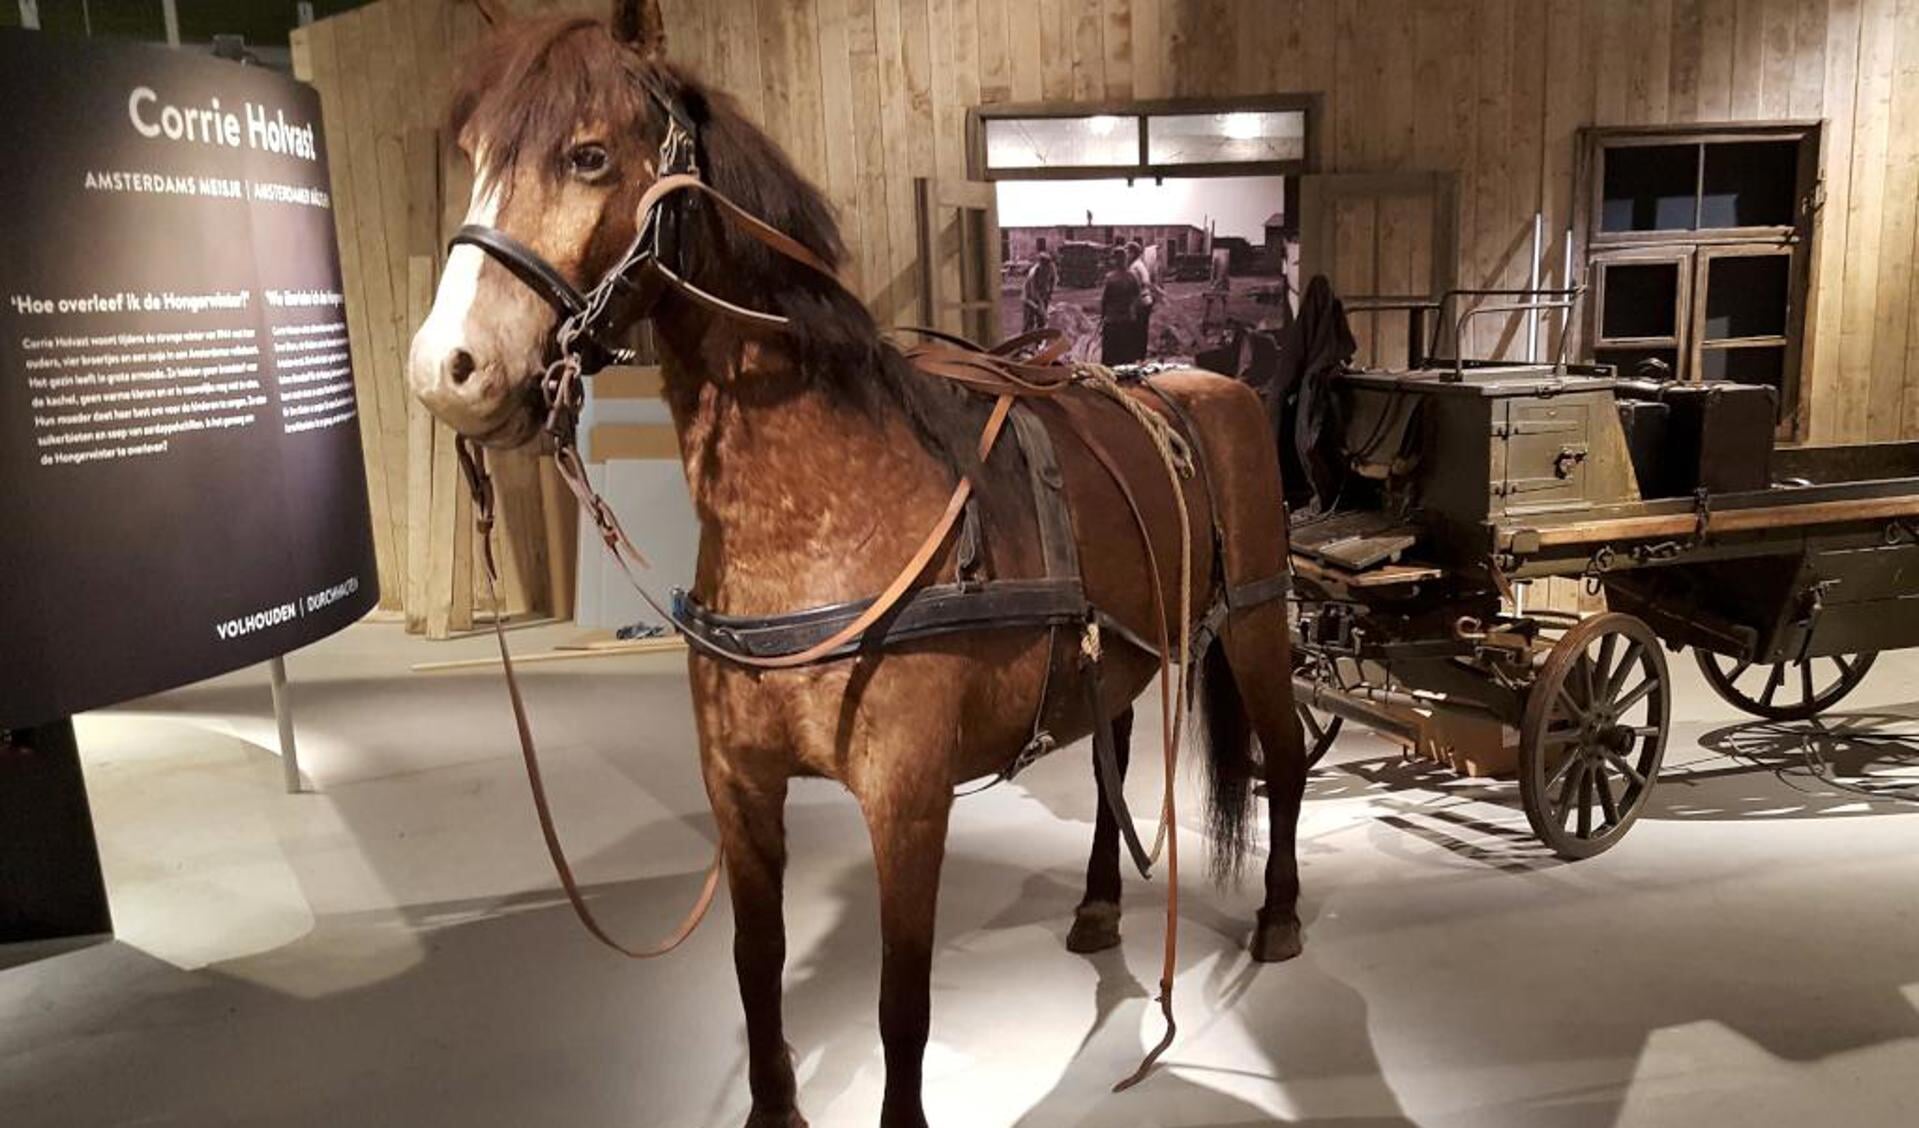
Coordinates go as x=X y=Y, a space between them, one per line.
x=638 y=24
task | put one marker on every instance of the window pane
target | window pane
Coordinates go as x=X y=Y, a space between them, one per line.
x=1642 y=300
x=1650 y=188
x=1177 y=139
x=1069 y=142
x=1746 y=296
x=1750 y=184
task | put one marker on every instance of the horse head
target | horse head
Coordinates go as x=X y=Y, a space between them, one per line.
x=562 y=122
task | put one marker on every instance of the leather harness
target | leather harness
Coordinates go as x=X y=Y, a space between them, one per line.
x=1029 y=367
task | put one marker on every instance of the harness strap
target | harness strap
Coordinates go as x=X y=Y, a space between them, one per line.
x=573 y=473
x=935 y=610
x=473 y=465
x=526 y=265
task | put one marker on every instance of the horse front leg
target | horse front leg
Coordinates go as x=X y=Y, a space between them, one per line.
x=1096 y=920
x=751 y=814
x=906 y=812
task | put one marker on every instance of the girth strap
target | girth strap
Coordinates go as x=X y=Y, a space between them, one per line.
x=934 y=610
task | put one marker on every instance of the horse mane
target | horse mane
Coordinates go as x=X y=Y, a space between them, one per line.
x=531 y=84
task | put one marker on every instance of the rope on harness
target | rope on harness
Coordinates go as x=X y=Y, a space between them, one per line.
x=1177 y=460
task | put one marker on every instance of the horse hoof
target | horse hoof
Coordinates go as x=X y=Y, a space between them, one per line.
x=776 y=1120
x=1274 y=941
x=1095 y=928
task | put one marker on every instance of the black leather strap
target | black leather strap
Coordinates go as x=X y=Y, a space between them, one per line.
x=934 y=610
x=526 y=265
x=1112 y=785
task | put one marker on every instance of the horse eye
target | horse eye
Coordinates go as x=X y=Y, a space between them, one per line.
x=588 y=161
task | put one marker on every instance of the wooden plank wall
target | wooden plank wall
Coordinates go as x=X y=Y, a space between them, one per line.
x=867 y=95
x=384 y=73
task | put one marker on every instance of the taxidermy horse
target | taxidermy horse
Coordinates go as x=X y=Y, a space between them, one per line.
x=818 y=457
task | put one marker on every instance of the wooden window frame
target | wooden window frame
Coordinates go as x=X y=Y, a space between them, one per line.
x=1703 y=244
x=1683 y=319
x=1307 y=104
x=1596 y=140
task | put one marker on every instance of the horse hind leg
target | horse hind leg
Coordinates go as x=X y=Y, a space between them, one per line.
x=1258 y=656
x=751 y=818
x=1096 y=920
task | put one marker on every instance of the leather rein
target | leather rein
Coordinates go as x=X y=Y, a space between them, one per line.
x=1028 y=366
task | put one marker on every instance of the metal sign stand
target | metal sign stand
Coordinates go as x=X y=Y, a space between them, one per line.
x=283 y=715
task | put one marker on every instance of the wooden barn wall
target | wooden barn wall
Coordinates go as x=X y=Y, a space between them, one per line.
x=384 y=73
x=869 y=94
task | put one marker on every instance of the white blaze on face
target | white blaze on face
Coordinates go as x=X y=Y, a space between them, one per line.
x=445 y=327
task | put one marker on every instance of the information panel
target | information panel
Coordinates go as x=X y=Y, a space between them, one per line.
x=181 y=484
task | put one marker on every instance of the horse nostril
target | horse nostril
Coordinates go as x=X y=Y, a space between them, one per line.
x=459 y=367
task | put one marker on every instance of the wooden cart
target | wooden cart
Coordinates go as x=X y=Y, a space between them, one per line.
x=1468 y=480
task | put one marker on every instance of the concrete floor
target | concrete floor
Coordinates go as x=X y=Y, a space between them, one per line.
x=390 y=949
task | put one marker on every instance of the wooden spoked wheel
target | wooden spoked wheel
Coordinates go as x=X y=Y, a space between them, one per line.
x=1594 y=734
x=1785 y=691
x=1321 y=730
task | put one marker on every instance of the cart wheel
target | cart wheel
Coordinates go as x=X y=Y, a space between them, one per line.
x=1321 y=731
x=1594 y=734
x=1811 y=686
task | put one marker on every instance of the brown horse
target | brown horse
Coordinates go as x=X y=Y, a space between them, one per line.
x=817 y=458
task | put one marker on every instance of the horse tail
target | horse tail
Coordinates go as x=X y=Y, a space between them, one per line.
x=1224 y=727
